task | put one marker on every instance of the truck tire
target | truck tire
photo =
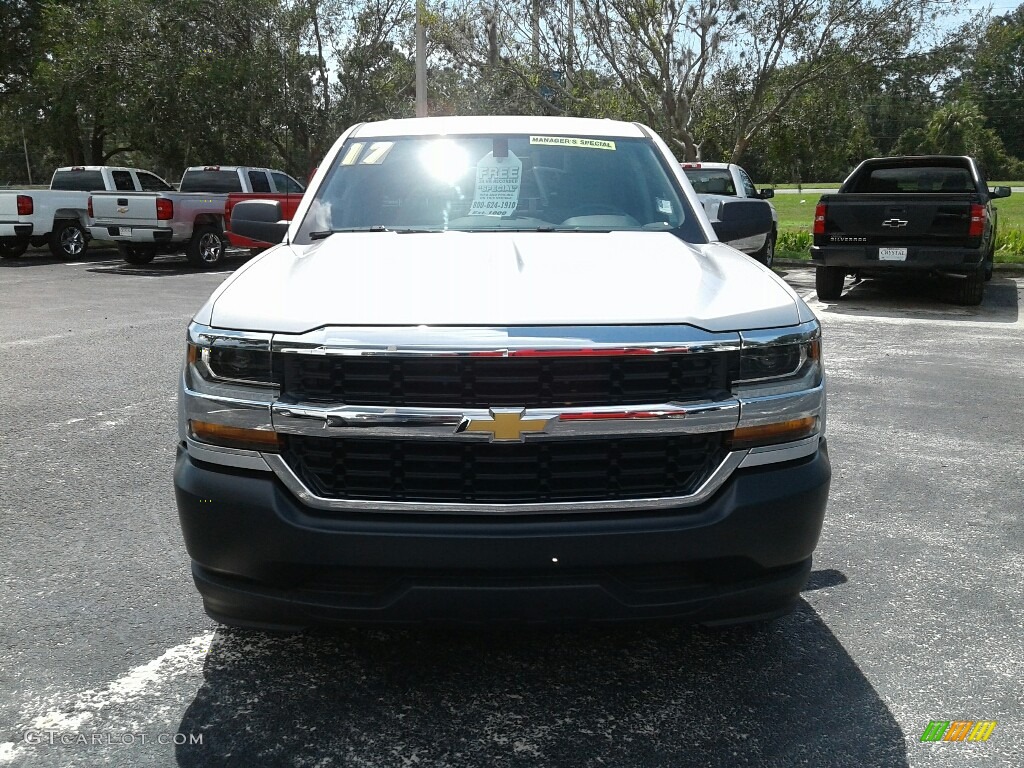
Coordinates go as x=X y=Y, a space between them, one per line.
x=990 y=263
x=67 y=240
x=766 y=254
x=828 y=281
x=12 y=249
x=969 y=291
x=206 y=248
x=136 y=254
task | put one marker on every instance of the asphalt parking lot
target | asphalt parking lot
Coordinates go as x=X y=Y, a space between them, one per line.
x=912 y=614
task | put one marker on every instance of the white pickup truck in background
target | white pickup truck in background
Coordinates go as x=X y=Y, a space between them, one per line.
x=58 y=216
x=143 y=224
x=717 y=182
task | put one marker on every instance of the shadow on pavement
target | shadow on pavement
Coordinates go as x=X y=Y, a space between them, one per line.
x=925 y=298
x=37 y=257
x=170 y=265
x=783 y=693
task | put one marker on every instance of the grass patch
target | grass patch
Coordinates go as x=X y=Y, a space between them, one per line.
x=796 y=216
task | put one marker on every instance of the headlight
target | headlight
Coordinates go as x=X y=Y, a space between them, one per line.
x=780 y=386
x=779 y=361
x=227 y=390
x=230 y=356
x=774 y=363
x=243 y=366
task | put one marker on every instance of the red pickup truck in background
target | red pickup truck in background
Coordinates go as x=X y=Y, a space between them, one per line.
x=289 y=202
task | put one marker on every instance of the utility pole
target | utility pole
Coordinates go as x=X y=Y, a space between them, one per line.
x=536 y=32
x=28 y=166
x=571 y=42
x=421 y=60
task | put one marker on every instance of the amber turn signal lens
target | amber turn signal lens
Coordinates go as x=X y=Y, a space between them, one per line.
x=814 y=349
x=772 y=434
x=235 y=437
x=192 y=356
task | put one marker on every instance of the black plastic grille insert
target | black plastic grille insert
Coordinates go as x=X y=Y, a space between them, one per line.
x=480 y=472
x=481 y=382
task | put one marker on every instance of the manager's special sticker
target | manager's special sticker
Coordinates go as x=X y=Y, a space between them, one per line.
x=573 y=141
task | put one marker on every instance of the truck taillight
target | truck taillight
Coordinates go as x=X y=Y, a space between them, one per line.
x=25 y=207
x=88 y=208
x=164 y=209
x=977 y=227
x=819 y=219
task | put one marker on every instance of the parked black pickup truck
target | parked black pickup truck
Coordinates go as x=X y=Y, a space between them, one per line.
x=926 y=214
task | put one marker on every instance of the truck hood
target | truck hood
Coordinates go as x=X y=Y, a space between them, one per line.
x=502 y=279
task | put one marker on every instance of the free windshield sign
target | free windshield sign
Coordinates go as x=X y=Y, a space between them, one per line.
x=498 y=180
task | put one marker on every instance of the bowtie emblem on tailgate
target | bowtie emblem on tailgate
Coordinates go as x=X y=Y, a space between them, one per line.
x=895 y=223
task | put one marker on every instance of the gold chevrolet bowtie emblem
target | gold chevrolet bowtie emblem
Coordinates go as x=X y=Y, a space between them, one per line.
x=504 y=425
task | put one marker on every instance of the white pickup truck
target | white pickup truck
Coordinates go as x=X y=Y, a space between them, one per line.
x=715 y=183
x=58 y=216
x=193 y=217
x=500 y=368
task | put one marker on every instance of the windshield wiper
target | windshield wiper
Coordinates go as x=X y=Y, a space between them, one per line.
x=328 y=232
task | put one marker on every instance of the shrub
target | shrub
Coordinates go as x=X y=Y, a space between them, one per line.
x=1010 y=241
x=791 y=241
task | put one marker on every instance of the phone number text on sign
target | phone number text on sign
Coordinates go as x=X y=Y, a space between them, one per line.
x=498 y=181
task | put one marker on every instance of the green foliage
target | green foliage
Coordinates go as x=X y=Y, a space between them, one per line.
x=993 y=77
x=958 y=128
x=1010 y=242
x=799 y=91
x=793 y=243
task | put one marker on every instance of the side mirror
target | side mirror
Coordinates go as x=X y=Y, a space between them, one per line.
x=259 y=220
x=999 y=192
x=741 y=218
x=766 y=193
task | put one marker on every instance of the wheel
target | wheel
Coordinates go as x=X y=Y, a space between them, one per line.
x=968 y=291
x=206 y=248
x=766 y=254
x=68 y=239
x=12 y=249
x=989 y=264
x=828 y=281
x=136 y=254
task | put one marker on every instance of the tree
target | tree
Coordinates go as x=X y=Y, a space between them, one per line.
x=663 y=53
x=994 y=78
x=958 y=128
x=791 y=44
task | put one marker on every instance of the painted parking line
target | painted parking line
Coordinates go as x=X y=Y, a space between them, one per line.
x=137 y=703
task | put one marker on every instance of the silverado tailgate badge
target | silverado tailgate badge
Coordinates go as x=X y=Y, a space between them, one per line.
x=895 y=223
x=504 y=425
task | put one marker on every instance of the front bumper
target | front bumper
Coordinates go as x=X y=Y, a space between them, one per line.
x=919 y=258
x=262 y=559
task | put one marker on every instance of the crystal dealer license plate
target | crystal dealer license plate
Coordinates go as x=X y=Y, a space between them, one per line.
x=892 y=254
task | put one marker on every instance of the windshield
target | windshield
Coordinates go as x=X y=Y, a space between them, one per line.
x=498 y=182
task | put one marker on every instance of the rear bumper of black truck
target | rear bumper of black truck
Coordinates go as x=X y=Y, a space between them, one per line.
x=919 y=258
